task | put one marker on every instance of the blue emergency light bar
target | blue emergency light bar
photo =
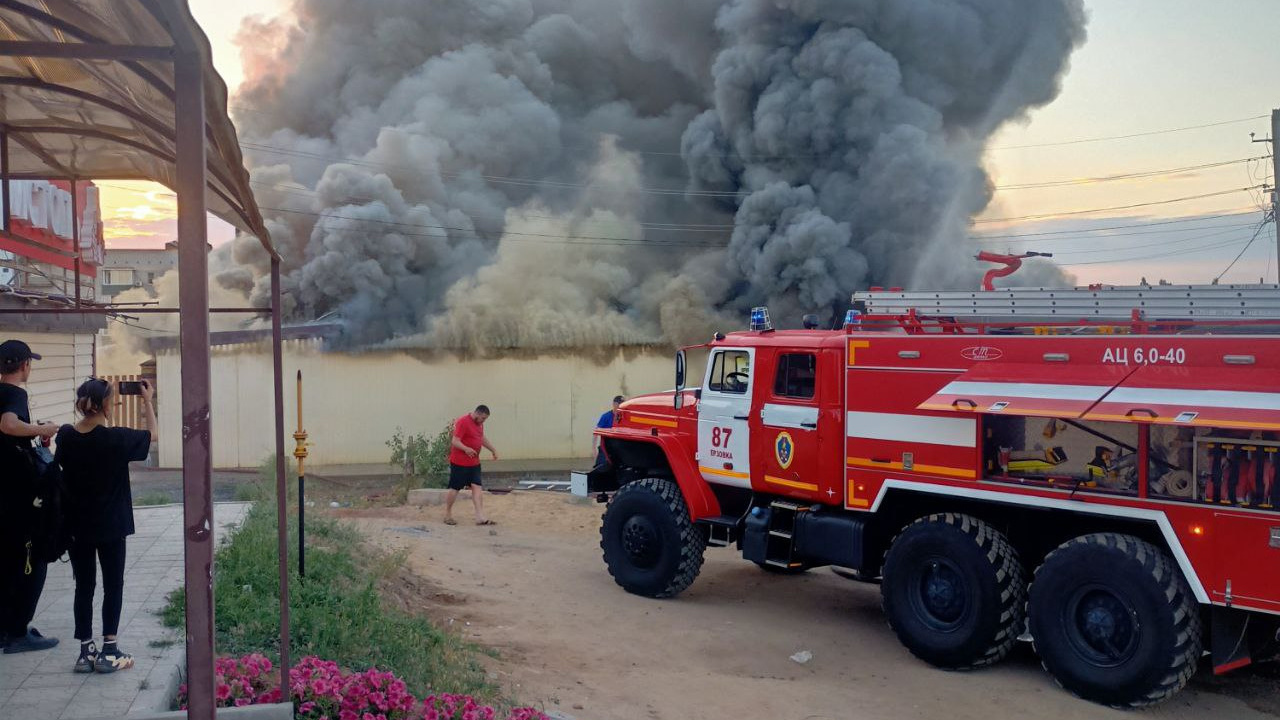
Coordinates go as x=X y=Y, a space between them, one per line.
x=760 y=319
x=852 y=317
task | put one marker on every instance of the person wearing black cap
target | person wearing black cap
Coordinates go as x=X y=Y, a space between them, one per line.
x=21 y=577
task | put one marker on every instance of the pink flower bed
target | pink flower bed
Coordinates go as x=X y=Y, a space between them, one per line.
x=320 y=690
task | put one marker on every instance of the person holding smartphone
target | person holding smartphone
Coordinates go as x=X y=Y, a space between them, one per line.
x=21 y=576
x=95 y=461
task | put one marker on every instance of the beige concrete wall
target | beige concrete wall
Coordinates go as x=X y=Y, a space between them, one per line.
x=67 y=361
x=543 y=407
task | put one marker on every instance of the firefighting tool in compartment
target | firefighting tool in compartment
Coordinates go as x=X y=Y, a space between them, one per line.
x=1118 y=445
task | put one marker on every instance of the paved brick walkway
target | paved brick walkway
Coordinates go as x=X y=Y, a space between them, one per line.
x=41 y=685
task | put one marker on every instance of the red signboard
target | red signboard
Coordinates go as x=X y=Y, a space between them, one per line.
x=42 y=228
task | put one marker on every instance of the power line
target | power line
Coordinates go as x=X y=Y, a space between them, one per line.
x=1089 y=233
x=477 y=233
x=1242 y=250
x=808 y=156
x=1163 y=243
x=1129 y=176
x=556 y=184
x=498 y=179
x=697 y=193
x=1117 y=207
x=684 y=227
x=1211 y=246
x=481 y=233
x=1130 y=135
x=674 y=227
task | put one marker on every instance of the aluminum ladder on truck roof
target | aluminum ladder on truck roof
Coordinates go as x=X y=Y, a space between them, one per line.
x=1184 y=304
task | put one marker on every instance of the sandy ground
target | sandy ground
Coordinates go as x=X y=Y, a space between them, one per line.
x=535 y=589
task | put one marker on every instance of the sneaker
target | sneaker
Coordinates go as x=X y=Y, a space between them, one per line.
x=88 y=656
x=111 y=661
x=30 y=642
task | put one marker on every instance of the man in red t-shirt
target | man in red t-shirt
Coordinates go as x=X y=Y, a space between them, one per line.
x=464 y=463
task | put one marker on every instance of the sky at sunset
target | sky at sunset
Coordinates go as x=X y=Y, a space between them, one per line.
x=1148 y=65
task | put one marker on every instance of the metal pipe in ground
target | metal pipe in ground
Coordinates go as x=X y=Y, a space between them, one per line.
x=282 y=491
x=300 y=454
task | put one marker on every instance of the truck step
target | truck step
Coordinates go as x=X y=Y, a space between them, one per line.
x=722 y=530
x=784 y=505
x=722 y=520
x=782 y=564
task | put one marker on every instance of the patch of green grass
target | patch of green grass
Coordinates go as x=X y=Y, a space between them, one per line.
x=336 y=612
x=162 y=643
x=152 y=498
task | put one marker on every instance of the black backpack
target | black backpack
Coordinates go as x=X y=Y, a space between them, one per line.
x=49 y=533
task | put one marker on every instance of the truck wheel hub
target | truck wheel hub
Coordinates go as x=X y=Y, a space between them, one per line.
x=942 y=594
x=1102 y=626
x=640 y=541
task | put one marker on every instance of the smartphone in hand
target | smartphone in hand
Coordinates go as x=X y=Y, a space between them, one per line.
x=130 y=387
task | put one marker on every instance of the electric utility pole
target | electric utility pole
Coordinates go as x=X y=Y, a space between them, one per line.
x=1275 y=178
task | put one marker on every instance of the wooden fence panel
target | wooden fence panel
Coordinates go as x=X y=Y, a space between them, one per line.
x=127 y=409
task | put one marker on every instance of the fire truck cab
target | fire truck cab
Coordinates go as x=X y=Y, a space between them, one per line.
x=1098 y=473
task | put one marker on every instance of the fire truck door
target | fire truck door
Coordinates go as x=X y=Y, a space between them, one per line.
x=723 y=412
x=787 y=449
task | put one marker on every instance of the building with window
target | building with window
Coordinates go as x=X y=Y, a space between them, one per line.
x=130 y=268
x=50 y=253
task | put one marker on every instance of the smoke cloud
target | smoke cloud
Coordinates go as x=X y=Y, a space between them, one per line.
x=564 y=173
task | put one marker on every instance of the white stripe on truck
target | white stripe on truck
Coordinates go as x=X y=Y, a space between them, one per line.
x=958 y=432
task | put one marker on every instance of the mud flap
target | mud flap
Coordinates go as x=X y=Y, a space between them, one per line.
x=1230 y=639
x=602 y=478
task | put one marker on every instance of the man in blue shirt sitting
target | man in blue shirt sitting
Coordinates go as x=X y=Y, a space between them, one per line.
x=606 y=421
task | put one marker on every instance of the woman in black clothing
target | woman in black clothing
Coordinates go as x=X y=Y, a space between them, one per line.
x=95 y=461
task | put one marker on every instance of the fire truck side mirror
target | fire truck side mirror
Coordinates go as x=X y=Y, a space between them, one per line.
x=680 y=368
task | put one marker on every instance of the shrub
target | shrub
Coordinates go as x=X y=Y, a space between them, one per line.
x=422 y=459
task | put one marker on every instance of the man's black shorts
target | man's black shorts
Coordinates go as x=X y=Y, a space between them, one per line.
x=460 y=476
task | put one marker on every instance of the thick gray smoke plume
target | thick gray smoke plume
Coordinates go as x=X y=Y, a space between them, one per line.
x=536 y=173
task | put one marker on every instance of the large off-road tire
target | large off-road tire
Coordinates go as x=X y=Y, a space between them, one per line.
x=650 y=545
x=953 y=591
x=1113 y=620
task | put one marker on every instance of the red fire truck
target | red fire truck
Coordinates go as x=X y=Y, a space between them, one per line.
x=1094 y=468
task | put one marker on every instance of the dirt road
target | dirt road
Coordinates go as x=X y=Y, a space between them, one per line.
x=535 y=589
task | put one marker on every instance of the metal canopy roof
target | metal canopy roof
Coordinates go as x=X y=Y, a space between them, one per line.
x=125 y=89
x=90 y=118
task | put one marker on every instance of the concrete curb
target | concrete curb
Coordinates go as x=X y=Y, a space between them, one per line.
x=156 y=699
x=280 y=711
x=162 y=682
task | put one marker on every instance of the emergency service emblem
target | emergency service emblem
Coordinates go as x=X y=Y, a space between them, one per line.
x=784 y=449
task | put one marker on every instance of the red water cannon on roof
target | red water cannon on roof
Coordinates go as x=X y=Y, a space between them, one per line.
x=1011 y=264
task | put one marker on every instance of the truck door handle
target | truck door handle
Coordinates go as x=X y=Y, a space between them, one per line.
x=811 y=426
x=1148 y=411
x=741 y=417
